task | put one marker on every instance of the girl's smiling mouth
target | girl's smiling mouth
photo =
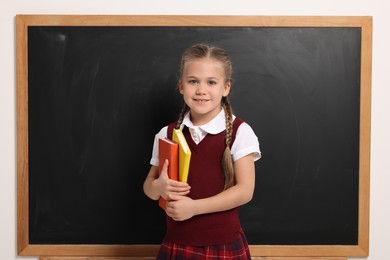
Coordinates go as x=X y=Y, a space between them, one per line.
x=200 y=100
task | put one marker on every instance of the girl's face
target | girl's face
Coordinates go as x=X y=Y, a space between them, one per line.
x=203 y=86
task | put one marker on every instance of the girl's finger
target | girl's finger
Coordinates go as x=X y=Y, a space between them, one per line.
x=165 y=167
x=178 y=183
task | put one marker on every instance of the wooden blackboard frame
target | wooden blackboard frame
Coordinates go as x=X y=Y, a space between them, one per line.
x=137 y=251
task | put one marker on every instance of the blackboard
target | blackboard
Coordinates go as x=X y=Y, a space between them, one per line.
x=97 y=95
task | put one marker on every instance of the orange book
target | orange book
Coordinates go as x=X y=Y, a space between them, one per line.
x=167 y=149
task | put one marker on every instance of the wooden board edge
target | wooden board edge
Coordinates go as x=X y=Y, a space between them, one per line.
x=194 y=20
x=22 y=135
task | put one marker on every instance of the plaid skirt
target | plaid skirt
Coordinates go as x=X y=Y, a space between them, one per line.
x=236 y=250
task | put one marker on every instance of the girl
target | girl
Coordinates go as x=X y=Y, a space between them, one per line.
x=202 y=215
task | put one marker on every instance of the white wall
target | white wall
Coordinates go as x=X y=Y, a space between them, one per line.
x=380 y=141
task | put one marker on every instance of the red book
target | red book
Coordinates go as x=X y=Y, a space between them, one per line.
x=167 y=149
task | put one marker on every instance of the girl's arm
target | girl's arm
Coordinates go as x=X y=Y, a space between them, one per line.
x=160 y=186
x=182 y=207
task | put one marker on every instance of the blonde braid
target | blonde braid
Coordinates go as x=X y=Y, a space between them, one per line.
x=227 y=160
x=183 y=112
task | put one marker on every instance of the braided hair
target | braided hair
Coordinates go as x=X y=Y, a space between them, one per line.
x=199 y=51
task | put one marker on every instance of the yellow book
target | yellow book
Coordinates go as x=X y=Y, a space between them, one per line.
x=184 y=154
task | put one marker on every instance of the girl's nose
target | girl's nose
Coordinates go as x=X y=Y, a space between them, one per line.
x=200 y=89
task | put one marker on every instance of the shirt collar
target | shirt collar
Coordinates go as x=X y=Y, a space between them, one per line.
x=215 y=126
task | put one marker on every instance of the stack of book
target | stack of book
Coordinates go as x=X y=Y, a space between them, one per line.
x=178 y=154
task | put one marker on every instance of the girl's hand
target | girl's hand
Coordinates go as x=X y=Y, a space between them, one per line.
x=165 y=186
x=180 y=208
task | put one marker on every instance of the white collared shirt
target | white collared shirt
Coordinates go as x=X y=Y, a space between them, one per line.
x=245 y=143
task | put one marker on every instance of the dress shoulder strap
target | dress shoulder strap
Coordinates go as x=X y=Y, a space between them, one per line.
x=170 y=130
x=236 y=124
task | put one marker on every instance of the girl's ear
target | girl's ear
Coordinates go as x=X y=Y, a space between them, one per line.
x=226 y=90
x=180 y=87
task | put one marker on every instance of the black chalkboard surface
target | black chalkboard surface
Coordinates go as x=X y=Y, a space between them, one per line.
x=97 y=95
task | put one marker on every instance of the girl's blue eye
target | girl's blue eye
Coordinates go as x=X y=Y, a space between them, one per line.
x=211 y=82
x=192 y=81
